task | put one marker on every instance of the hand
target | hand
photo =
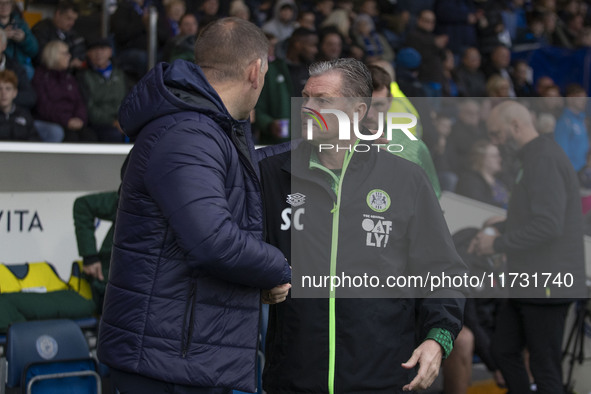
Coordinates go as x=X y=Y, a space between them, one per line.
x=75 y=124
x=482 y=244
x=13 y=34
x=76 y=63
x=276 y=295
x=95 y=270
x=428 y=355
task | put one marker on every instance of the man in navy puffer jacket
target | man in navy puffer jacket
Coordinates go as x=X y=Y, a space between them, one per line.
x=181 y=309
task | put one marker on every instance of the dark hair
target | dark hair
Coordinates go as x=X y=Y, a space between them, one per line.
x=188 y=14
x=227 y=46
x=573 y=88
x=299 y=34
x=9 y=77
x=328 y=30
x=380 y=78
x=356 y=77
x=66 y=5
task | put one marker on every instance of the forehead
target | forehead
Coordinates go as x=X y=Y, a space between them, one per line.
x=328 y=85
x=493 y=124
x=382 y=93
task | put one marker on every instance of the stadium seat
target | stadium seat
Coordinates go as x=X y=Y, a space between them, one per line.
x=49 y=356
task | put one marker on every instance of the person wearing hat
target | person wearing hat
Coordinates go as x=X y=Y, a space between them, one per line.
x=408 y=61
x=104 y=88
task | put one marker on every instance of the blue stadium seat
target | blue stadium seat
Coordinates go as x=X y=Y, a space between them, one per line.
x=49 y=356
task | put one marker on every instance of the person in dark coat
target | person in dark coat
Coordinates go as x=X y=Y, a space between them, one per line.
x=60 y=27
x=26 y=96
x=104 y=87
x=542 y=238
x=469 y=77
x=21 y=45
x=480 y=183
x=16 y=123
x=181 y=310
x=59 y=100
x=129 y=26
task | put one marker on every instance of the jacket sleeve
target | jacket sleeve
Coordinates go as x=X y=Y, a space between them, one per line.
x=29 y=45
x=443 y=307
x=547 y=206
x=186 y=176
x=44 y=107
x=86 y=209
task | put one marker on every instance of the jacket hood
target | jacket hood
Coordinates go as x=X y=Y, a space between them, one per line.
x=167 y=89
x=280 y=4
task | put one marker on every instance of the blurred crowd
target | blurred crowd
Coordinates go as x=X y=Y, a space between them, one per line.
x=61 y=81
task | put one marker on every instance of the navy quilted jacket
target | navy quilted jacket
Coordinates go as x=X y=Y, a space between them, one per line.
x=188 y=262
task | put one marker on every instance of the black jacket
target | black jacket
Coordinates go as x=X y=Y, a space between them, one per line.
x=543 y=232
x=17 y=126
x=45 y=31
x=362 y=341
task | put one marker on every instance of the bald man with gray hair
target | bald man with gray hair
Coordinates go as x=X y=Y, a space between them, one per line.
x=542 y=237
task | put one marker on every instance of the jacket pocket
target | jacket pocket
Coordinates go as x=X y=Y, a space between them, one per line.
x=188 y=321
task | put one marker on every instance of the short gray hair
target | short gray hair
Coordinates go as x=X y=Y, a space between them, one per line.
x=356 y=76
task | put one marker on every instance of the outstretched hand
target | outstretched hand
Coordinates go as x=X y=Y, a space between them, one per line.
x=428 y=355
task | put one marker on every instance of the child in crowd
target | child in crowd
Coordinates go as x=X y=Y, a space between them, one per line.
x=16 y=123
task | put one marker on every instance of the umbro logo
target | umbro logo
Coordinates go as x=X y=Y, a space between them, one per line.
x=296 y=199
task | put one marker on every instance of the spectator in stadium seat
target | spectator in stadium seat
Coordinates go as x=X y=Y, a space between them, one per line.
x=22 y=45
x=59 y=101
x=103 y=85
x=457 y=19
x=60 y=28
x=431 y=48
x=26 y=96
x=470 y=79
x=374 y=44
x=331 y=44
x=408 y=62
x=283 y=24
x=302 y=49
x=182 y=46
x=340 y=20
x=16 y=123
x=239 y=9
x=464 y=133
x=480 y=182
x=497 y=86
x=522 y=79
x=499 y=63
x=175 y=9
x=571 y=129
x=129 y=25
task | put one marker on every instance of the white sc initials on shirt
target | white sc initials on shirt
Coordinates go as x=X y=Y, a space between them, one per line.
x=288 y=215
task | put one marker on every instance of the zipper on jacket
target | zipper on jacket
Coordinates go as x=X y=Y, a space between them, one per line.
x=186 y=340
x=333 y=269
